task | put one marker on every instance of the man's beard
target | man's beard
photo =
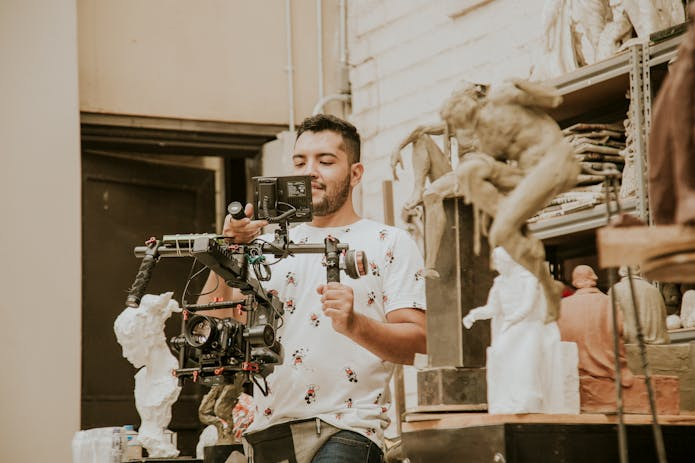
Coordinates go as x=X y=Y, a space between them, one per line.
x=331 y=202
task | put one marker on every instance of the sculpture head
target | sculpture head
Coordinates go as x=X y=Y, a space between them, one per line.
x=503 y=262
x=584 y=276
x=139 y=329
x=461 y=108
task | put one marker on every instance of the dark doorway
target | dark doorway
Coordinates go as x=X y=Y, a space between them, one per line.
x=126 y=198
x=124 y=202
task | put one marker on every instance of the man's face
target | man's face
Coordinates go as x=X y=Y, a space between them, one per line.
x=321 y=156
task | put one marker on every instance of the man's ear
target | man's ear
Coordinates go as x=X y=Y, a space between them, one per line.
x=356 y=171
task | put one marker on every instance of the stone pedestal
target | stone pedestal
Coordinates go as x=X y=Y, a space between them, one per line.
x=452 y=386
x=597 y=395
x=456 y=355
x=669 y=359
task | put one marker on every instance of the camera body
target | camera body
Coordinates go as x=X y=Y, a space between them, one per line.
x=214 y=350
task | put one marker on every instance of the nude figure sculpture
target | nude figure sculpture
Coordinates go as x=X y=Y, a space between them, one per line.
x=522 y=161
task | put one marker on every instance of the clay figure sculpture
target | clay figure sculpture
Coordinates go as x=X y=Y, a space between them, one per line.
x=428 y=160
x=522 y=162
x=216 y=409
x=431 y=163
x=140 y=331
x=529 y=370
x=586 y=318
x=581 y=32
x=651 y=306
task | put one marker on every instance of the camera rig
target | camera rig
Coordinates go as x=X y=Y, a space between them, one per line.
x=214 y=350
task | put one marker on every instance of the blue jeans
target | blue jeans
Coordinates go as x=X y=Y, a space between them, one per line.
x=348 y=447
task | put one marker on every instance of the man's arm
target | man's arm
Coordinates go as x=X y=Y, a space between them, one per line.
x=214 y=289
x=396 y=340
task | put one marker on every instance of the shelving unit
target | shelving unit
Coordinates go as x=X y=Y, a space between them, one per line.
x=602 y=93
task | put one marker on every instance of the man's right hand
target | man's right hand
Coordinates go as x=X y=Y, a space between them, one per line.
x=245 y=230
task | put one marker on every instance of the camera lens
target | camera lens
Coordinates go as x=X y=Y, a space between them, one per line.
x=199 y=330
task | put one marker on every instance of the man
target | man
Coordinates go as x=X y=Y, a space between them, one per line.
x=340 y=339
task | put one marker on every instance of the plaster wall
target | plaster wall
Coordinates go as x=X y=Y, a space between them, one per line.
x=40 y=234
x=209 y=60
x=407 y=56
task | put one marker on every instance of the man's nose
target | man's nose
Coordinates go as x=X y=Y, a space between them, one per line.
x=310 y=169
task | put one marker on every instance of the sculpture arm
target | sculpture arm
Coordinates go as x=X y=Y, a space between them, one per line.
x=397 y=159
x=485 y=312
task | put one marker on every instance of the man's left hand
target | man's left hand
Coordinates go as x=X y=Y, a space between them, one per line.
x=337 y=304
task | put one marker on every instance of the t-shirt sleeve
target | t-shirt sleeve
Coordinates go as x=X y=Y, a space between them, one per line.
x=404 y=275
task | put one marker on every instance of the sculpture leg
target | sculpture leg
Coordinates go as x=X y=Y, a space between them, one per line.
x=551 y=176
x=435 y=219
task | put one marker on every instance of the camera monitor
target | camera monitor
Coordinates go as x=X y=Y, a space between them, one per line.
x=278 y=199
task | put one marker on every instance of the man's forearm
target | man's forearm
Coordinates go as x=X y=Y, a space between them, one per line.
x=396 y=342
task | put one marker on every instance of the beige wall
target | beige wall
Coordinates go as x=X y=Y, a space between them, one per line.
x=223 y=60
x=40 y=233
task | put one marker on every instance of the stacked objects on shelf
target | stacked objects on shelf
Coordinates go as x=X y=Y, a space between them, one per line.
x=594 y=144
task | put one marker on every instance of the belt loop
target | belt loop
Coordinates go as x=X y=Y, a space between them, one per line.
x=318 y=426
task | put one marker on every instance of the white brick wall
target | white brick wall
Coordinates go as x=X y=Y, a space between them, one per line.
x=407 y=55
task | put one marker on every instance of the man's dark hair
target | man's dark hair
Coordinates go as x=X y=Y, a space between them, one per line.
x=321 y=122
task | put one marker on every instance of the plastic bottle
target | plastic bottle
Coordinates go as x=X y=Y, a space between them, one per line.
x=132 y=450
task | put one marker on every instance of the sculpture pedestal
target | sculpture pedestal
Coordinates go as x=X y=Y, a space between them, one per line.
x=597 y=395
x=456 y=373
x=452 y=386
x=669 y=359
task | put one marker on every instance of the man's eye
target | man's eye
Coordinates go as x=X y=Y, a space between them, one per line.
x=326 y=163
x=298 y=164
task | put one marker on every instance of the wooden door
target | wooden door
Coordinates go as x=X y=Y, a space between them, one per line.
x=125 y=201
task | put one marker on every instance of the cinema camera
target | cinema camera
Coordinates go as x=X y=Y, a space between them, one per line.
x=213 y=350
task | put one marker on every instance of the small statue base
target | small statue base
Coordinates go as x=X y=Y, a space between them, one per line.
x=597 y=395
x=671 y=360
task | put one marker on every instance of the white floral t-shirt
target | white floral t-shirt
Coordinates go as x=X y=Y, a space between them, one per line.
x=326 y=374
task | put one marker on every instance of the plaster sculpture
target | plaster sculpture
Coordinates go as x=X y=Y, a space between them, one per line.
x=651 y=306
x=522 y=163
x=688 y=309
x=586 y=318
x=429 y=162
x=140 y=331
x=581 y=32
x=673 y=322
x=529 y=370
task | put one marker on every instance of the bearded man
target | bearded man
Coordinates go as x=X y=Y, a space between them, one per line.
x=331 y=405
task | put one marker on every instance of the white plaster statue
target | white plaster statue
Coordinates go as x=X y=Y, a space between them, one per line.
x=650 y=302
x=581 y=32
x=529 y=370
x=673 y=322
x=523 y=162
x=688 y=309
x=140 y=331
